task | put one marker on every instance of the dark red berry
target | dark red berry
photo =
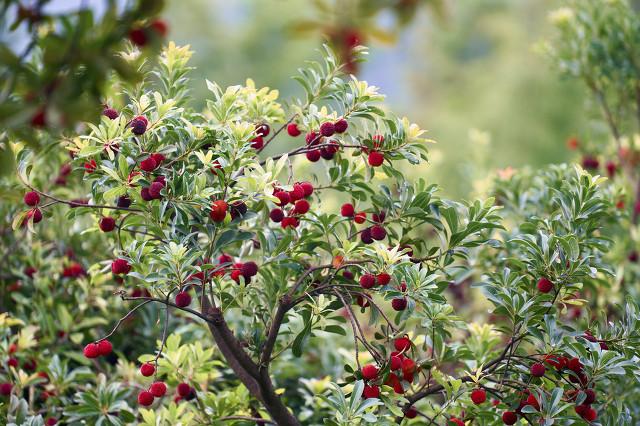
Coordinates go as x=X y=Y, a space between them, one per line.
x=399 y=304
x=478 y=396
x=327 y=129
x=145 y=398
x=146 y=196
x=369 y=372
x=284 y=198
x=341 y=126
x=31 y=198
x=292 y=129
x=120 y=266
x=538 y=369
x=257 y=142
x=107 y=224
x=105 y=347
x=544 y=285
x=276 y=215
x=138 y=37
x=91 y=351
x=367 y=281
x=111 y=113
x=371 y=391
x=375 y=158
x=383 y=279
x=183 y=389
x=148 y=164
x=158 y=389
x=147 y=369
x=360 y=217
x=347 y=210
x=301 y=207
x=160 y=27
x=365 y=236
x=402 y=344
x=139 y=125
x=249 y=269
x=307 y=187
x=313 y=155
x=262 y=130
x=123 y=201
x=218 y=210
x=183 y=299
x=509 y=418
x=378 y=232
x=411 y=413
x=311 y=138
x=5 y=389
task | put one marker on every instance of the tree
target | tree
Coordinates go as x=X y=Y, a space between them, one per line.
x=173 y=224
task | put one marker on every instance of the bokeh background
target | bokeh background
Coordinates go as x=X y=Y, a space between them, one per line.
x=469 y=71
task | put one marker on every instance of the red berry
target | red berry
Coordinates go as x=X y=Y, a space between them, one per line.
x=395 y=363
x=138 y=37
x=148 y=164
x=39 y=119
x=574 y=365
x=276 y=215
x=590 y=397
x=362 y=301
x=408 y=366
x=327 y=129
x=341 y=126
x=249 y=269
x=107 y=224
x=313 y=155
x=51 y=421
x=158 y=158
x=31 y=198
x=590 y=162
x=147 y=369
x=120 y=266
x=375 y=158
x=365 y=236
x=5 y=389
x=590 y=414
x=360 y=217
x=478 y=396
x=145 y=398
x=91 y=351
x=347 y=210
x=307 y=187
x=292 y=129
x=378 y=232
x=123 y=201
x=367 y=281
x=146 y=196
x=537 y=369
x=402 y=344
x=139 y=125
x=301 y=207
x=371 y=392
x=290 y=222
x=158 y=389
x=581 y=409
x=399 y=304
x=12 y=362
x=34 y=214
x=183 y=299
x=90 y=166
x=544 y=285
x=104 y=347
x=509 y=418
x=257 y=142
x=311 y=138
x=532 y=401
x=383 y=278
x=160 y=27
x=218 y=210
x=369 y=372
x=155 y=188
x=111 y=113
x=262 y=129
x=456 y=421
x=283 y=196
x=611 y=168
x=411 y=413
x=183 y=389
x=297 y=193
x=236 y=274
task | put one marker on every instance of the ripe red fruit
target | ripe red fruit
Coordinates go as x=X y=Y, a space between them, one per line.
x=574 y=365
x=369 y=372
x=104 y=347
x=297 y=193
x=138 y=37
x=590 y=162
x=365 y=236
x=262 y=129
x=39 y=119
x=147 y=369
x=378 y=233
x=158 y=158
x=139 y=125
x=367 y=281
x=34 y=214
x=5 y=389
x=544 y=285
x=218 y=210
x=183 y=389
x=402 y=344
x=276 y=215
x=383 y=278
x=313 y=155
x=411 y=413
x=91 y=351
x=395 y=362
x=341 y=126
x=107 y=224
x=249 y=269
x=360 y=217
x=183 y=299
x=12 y=362
x=399 y=304
x=111 y=113
x=375 y=158
x=146 y=196
x=51 y=421
x=155 y=188
x=235 y=275
x=532 y=401
x=160 y=27
x=31 y=198
x=362 y=301
x=123 y=201
x=120 y=266
x=590 y=397
x=611 y=168
x=456 y=421
x=290 y=222
x=478 y=396
x=509 y=418
x=158 y=389
x=301 y=207
x=148 y=164
x=284 y=198
x=327 y=129
x=537 y=369
x=145 y=398
x=408 y=366
x=371 y=392
x=347 y=210
x=581 y=409
x=307 y=187
x=590 y=414
x=257 y=142
x=292 y=129
x=311 y=138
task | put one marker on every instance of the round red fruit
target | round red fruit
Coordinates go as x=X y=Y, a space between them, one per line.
x=147 y=369
x=120 y=266
x=107 y=224
x=341 y=126
x=183 y=299
x=383 y=278
x=478 y=396
x=307 y=187
x=360 y=217
x=91 y=351
x=509 y=418
x=371 y=392
x=301 y=207
x=369 y=372
x=375 y=158
x=145 y=398
x=538 y=369
x=327 y=129
x=262 y=129
x=148 y=164
x=411 y=413
x=313 y=155
x=283 y=197
x=292 y=129
x=158 y=389
x=402 y=344
x=218 y=210
x=347 y=210
x=399 y=304
x=378 y=233
x=104 y=347
x=276 y=215
x=544 y=285
x=31 y=198
x=183 y=389
x=367 y=281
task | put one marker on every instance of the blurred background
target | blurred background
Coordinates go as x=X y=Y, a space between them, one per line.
x=468 y=71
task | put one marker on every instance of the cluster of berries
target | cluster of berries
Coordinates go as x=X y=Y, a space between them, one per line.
x=298 y=198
